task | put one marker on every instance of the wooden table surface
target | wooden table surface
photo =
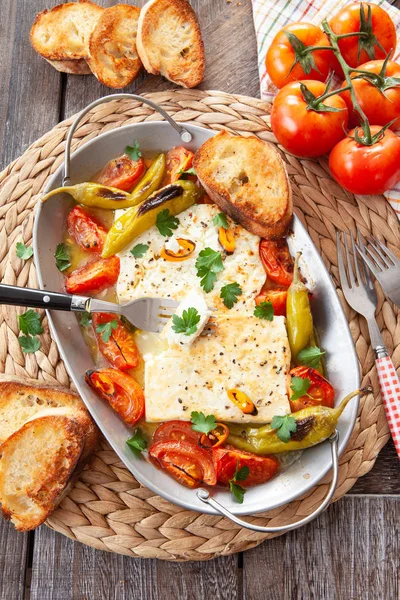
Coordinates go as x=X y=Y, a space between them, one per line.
x=350 y=552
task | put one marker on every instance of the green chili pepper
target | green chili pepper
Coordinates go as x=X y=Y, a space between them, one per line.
x=299 y=320
x=97 y=195
x=176 y=198
x=314 y=424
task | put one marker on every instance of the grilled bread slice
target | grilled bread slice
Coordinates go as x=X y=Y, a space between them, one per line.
x=113 y=57
x=61 y=35
x=22 y=400
x=247 y=179
x=169 y=42
x=36 y=465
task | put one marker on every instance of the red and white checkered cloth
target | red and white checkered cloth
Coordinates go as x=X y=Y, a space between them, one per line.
x=271 y=15
x=390 y=391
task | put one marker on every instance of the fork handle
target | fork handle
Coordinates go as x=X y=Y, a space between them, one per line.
x=390 y=391
x=21 y=296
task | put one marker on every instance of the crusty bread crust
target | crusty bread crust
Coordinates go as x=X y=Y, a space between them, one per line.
x=247 y=179
x=113 y=56
x=72 y=67
x=36 y=464
x=169 y=42
x=62 y=33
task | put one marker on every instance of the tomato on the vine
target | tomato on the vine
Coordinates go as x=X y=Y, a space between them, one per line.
x=303 y=130
x=288 y=59
x=370 y=19
x=378 y=97
x=369 y=169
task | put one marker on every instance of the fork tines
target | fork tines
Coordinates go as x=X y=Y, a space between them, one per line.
x=352 y=271
x=377 y=256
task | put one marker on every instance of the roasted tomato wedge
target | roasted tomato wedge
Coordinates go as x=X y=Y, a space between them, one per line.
x=121 y=391
x=276 y=294
x=120 y=350
x=186 y=462
x=178 y=159
x=176 y=431
x=320 y=392
x=226 y=460
x=122 y=172
x=85 y=230
x=277 y=261
x=93 y=277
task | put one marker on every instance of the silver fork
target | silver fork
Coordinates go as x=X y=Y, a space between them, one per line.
x=149 y=314
x=384 y=265
x=360 y=294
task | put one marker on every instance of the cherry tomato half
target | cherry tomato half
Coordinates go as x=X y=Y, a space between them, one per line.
x=303 y=131
x=320 y=392
x=276 y=294
x=380 y=104
x=189 y=464
x=122 y=172
x=94 y=276
x=227 y=460
x=347 y=20
x=120 y=350
x=178 y=159
x=277 y=261
x=121 y=391
x=176 y=431
x=281 y=55
x=85 y=230
x=367 y=169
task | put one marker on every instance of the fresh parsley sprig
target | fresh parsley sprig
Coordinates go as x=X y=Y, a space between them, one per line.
x=299 y=387
x=202 y=423
x=139 y=250
x=236 y=489
x=62 y=256
x=208 y=264
x=106 y=329
x=187 y=323
x=230 y=293
x=137 y=443
x=265 y=311
x=166 y=223
x=29 y=324
x=29 y=344
x=220 y=220
x=133 y=151
x=190 y=171
x=23 y=252
x=285 y=425
x=310 y=356
x=85 y=319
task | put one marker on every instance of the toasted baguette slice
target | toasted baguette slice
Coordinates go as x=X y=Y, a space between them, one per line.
x=247 y=178
x=36 y=464
x=169 y=42
x=61 y=35
x=23 y=400
x=113 y=57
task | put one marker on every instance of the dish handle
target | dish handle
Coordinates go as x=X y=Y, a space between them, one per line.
x=205 y=497
x=186 y=136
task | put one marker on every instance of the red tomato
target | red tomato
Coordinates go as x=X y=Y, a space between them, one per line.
x=281 y=56
x=380 y=104
x=367 y=169
x=122 y=172
x=320 y=392
x=276 y=294
x=189 y=464
x=303 y=131
x=227 y=460
x=277 y=261
x=120 y=350
x=89 y=234
x=93 y=277
x=178 y=159
x=347 y=20
x=176 y=431
x=121 y=391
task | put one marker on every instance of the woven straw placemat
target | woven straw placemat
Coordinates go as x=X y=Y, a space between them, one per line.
x=108 y=509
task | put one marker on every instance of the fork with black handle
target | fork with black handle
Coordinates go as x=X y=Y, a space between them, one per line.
x=360 y=294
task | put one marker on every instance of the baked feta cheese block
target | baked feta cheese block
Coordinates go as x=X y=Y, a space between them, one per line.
x=244 y=352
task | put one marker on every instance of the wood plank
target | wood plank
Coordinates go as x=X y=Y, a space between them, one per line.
x=29 y=86
x=384 y=477
x=351 y=551
x=231 y=68
x=13 y=561
x=64 y=570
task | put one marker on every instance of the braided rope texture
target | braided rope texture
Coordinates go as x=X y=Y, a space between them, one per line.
x=107 y=508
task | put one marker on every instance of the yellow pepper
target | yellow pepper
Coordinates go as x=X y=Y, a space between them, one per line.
x=299 y=320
